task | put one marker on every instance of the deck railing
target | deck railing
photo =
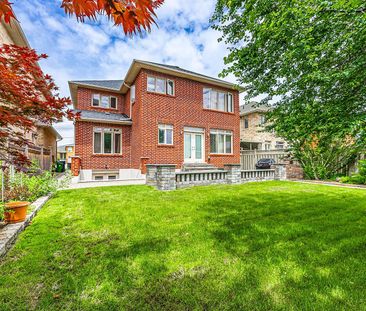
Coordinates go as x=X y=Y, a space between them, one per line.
x=190 y=178
x=249 y=175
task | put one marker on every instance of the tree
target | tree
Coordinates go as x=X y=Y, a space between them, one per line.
x=27 y=98
x=311 y=57
x=133 y=15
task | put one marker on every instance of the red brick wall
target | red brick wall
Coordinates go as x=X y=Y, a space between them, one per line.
x=84 y=147
x=85 y=101
x=183 y=109
x=141 y=139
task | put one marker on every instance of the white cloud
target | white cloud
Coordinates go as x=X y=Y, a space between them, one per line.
x=99 y=50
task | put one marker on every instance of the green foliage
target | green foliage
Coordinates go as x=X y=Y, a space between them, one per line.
x=33 y=184
x=362 y=167
x=354 y=179
x=359 y=178
x=308 y=57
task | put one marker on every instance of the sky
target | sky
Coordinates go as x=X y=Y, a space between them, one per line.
x=100 y=50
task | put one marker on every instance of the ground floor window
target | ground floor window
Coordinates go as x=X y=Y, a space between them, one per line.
x=107 y=141
x=165 y=134
x=221 y=142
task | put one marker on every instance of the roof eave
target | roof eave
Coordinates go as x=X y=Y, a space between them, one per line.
x=122 y=122
x=137 y=65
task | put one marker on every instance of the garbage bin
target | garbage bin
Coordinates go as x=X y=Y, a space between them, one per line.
x=60 y=166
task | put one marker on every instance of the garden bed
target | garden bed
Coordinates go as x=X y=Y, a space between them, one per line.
x=10 y=232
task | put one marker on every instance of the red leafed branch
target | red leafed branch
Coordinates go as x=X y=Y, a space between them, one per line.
x=133 y=15
x=27 y=98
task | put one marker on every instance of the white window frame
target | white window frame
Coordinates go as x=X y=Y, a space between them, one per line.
x=278 y=144
x=100 y=101
x=262 y=120
x=166 y=85
x=226 y=100
x=166 y=127
x=103 y=131
x=225 y=133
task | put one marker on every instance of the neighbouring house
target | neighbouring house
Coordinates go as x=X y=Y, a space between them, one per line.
x=252 y=133
x=65 y=153
x=43 y=138
x=159 y=114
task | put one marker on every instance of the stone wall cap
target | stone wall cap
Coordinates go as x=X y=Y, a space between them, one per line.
x=170 y=165
x=232 y=164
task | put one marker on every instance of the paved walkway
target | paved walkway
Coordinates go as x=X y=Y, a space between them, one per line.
x=331 y=183
x=94 y=184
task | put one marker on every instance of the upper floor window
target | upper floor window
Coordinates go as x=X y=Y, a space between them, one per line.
x=221 y=141
x=262 y=119
x=217 y=100
x=132 y=94
x=165 y=134
x=246 y=123
x=104 y=101
x=160 y=85
x=107 y=141
x=280 y=145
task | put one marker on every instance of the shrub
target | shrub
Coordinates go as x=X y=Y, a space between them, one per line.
x=354 y=179
x=362 y=167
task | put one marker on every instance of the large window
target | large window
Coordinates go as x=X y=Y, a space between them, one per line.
x=217 y=100
x=103 y=101
x=221 y=142
x=160 y=85
x=165 y=134
x=107 y=141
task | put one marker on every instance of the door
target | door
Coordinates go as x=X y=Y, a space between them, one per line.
x=193 y=147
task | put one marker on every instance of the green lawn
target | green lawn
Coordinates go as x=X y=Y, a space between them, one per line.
x=258 y=246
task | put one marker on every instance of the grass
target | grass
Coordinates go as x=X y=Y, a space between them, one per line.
x=258 y=246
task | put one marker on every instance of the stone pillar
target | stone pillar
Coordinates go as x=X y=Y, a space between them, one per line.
x=165 y=175
x=151 y=176
x=233 y=173
x=75 y=165
x=280 y=171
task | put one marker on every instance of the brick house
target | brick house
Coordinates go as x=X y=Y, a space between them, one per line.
x=44 y=137
x=252 y=133
x=158 y=114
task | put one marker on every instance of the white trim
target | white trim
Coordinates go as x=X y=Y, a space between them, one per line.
x=194 y=129
x=223 y=132
x=100 y=101
x=105 y=121
x=165 y=127
x=193 y=132
x=226 y=101
x=156 y=78
x=113 y=131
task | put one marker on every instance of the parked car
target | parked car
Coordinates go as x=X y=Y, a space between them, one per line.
x=263 y=164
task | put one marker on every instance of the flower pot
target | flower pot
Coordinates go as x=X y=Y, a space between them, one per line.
x=15 y=212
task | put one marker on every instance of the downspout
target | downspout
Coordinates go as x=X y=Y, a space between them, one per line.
x=129 y=87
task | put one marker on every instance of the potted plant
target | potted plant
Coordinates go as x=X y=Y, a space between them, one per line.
x=15 y=211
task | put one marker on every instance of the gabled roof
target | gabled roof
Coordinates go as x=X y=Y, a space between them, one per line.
x=106 y=117
x=122 y=86
x=253 y=107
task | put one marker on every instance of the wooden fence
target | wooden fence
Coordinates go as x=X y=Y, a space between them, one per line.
x=248 y=158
